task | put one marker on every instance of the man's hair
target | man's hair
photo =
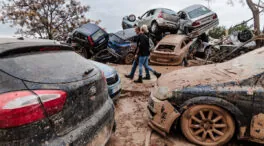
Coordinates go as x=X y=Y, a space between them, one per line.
x=144 y=28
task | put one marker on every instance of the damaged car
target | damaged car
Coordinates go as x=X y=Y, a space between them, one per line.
x=171 y=50
x=121 y=47
x=112 y=78
x=50 y=95
x=197 y=19
x=211 y=104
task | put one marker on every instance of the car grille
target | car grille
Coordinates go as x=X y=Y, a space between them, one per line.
x=112 y=80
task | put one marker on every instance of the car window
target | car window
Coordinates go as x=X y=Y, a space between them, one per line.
x=116 y=39
x=151 y=12
x=97 y=35
x=198 y=12
x=187 y=41
x=166 y=48
x=168 y=11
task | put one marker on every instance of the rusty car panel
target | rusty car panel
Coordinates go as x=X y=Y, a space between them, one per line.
x=171 y=50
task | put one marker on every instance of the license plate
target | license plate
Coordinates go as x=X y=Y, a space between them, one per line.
x=116 y=88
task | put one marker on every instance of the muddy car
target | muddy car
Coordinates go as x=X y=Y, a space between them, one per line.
x=50 y=95
x=171 y=50
x=121 y=47
x=212 y=103
x=197 y=19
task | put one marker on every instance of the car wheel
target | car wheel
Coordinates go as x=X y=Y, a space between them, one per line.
x=154 y=27
x=129 y=58
x=207 y=125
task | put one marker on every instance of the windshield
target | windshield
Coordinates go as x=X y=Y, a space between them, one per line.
x=116 y=39
x=198 y=12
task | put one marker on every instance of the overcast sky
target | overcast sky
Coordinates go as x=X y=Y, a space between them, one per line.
x=111 y=12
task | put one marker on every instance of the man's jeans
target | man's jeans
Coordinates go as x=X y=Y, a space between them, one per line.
x=135 y=64
x=143 y=61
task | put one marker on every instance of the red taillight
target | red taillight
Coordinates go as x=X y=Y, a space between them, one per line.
x=23 y=107
x=160 y=15
x=215 y=16
x=91 y=41
x=196 y=23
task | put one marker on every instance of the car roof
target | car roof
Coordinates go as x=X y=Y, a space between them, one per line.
x=88 y=28
x=126 y=34
x=192 y=7
x=9 y=44
x=173 y=39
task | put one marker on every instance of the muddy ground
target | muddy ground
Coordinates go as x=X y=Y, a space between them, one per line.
x=131 y=115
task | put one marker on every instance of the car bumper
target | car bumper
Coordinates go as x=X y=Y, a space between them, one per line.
x=115 y=90
x=200 y=30
x=165 y=59
x=167 y=24
x=162 y=115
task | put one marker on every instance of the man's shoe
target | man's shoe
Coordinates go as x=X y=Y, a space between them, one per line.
x=139 y=80
x=147 y=77
x=129 y=77
x=157 y=74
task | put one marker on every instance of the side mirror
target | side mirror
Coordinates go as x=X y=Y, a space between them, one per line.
x=139 y=17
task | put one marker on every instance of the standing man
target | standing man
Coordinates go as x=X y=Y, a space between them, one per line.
x=143 y=53
x=135 y=62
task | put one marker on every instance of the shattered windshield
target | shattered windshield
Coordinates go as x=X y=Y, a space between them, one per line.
x=166 y=48
x=198 y=12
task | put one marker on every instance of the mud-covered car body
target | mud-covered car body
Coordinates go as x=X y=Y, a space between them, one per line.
x=122 y=45
x=197 y=19
x=171 y=50
x=112 y=78
x=236 y=86
x=51 y=95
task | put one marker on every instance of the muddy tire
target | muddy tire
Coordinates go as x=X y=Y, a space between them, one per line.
x=207 y=125
x=129 y=58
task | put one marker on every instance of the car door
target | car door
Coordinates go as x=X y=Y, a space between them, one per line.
x=257 y=121
x=150 y=17
x=143 y=19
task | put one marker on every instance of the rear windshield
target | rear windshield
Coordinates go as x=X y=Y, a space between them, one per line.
x=168 y=11
x=198 y=12
x=116 y=39
x=98 y=34
x=166 y=48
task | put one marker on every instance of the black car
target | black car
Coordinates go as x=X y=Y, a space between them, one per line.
x=212 y=103
x=50 y=95
x=121 y=47
x=88 y=39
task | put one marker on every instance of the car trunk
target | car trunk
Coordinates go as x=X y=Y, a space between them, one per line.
x=204 y=19
x=62 y=70
x=169 y=17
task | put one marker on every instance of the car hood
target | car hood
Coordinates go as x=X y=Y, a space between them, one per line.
x=108 y=71
x=236 y=70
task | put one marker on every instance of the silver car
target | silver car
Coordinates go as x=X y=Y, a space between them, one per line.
x=160 y=19
x=197 y=19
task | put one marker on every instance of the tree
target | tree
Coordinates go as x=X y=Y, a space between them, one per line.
x=217 y=32
x=48 y=19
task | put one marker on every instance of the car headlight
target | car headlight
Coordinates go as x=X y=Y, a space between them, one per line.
x=162 y=93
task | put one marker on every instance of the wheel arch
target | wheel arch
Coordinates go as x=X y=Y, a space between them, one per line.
x=236 y=113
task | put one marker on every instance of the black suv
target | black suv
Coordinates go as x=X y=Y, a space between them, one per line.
x=88 y=39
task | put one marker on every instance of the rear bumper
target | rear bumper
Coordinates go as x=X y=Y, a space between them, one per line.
x=165 y=59
x=162 y=115
x=167 y=24
x=93 y=131
x=200 y=30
